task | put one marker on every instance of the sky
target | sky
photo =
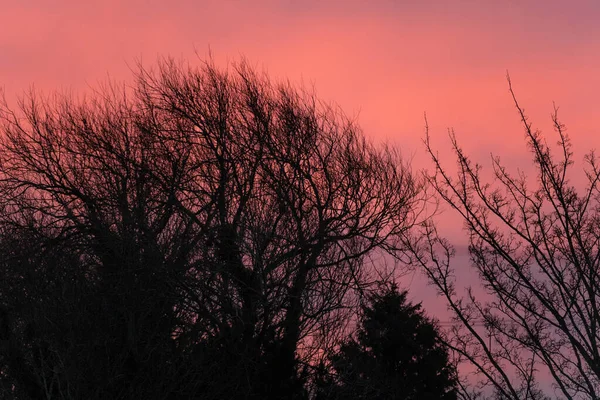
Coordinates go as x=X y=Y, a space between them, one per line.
x=385 y=62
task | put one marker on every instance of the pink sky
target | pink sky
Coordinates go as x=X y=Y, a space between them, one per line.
x=388 y=61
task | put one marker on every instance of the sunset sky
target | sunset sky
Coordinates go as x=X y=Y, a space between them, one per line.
x=385 y=61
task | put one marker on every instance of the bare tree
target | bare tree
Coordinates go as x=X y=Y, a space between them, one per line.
x=211 y=229
x=534 y=242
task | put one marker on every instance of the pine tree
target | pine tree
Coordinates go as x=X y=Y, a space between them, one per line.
x=396 y=354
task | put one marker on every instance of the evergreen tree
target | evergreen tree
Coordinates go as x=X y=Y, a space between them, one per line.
x=397 y=354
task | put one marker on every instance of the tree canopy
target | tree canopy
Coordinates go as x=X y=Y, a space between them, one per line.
x=202 y=232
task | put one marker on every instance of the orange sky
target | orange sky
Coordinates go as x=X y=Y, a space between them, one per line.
x=388 y=61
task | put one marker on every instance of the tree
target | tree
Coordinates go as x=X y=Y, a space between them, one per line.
x=397 y=354
x=200 y=233
x=534 y=242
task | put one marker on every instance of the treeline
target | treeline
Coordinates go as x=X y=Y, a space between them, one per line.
x=208 y=233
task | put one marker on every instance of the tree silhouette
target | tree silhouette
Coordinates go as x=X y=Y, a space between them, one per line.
x=198 y=234
x=534 y=243
x=397 y=354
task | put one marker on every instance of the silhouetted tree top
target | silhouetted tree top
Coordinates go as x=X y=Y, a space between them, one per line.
x=534 y=245
x=396 y=354
x=205 y=231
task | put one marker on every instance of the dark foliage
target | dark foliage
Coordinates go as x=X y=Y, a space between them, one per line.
x=397 y=354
